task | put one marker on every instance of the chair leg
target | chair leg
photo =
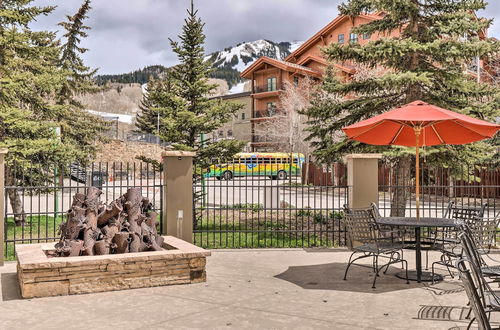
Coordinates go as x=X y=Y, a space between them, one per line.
x=402 y=259
x=348 y=265
x=376 y=274
x=406 y=266
x=433 y=272
x=447 y=263
x=470 y=323
x=469 y=313
x=390 y=260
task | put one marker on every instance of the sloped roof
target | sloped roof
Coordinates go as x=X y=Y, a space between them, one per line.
x=325 y=31
x=287 y=66
x=310 y=58
x=343 y=67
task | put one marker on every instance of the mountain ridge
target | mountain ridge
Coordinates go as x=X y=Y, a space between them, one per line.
x=227 y=63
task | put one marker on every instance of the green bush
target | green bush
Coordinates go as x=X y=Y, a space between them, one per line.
x=320 y=218
x=305 y=212
x=336 y=215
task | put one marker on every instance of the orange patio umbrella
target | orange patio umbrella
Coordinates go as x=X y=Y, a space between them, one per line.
x=420 y=124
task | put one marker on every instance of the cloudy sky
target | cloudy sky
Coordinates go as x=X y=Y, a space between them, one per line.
x=130 y=34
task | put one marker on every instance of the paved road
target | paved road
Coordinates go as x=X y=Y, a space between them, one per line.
x=246 y=190
x=62 y=199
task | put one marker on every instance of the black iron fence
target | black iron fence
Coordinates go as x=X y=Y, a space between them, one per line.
x=261 y=203
x=254 y=204
x=471 y=185
x=38 y=196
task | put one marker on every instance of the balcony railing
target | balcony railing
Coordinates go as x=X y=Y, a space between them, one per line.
x=265 y=88
x=264 y=113
x=261 y=139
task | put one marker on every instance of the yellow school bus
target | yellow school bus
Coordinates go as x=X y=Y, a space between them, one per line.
x=276 y=165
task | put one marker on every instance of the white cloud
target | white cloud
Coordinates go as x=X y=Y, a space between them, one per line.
x=130 y=34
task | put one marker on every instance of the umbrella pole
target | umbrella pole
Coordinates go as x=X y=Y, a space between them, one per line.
x=418 y=130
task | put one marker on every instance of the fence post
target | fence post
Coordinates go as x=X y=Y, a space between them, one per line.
x=177 y=213
x=3 y=152
x=362 y=179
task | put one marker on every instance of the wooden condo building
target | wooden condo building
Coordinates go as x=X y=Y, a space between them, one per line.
x=268 y=76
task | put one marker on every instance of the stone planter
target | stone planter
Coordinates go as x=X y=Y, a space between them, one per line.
x=41 y=276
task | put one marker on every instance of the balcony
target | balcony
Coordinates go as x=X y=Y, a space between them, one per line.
x=264 y=114
x=265 y=90
x=258 y=140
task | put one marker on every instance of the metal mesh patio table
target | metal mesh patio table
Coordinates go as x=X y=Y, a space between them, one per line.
x=417 y=224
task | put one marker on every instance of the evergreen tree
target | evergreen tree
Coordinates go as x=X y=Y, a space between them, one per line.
x=78 y=127
x=438 y=40
x=28 y=74
x=32 y=105
x=183 y=102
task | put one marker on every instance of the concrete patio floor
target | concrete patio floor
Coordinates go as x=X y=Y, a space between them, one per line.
x=252 y=289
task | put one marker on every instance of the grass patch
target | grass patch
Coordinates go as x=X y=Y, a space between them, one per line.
x=37 y=229
x=267 y=235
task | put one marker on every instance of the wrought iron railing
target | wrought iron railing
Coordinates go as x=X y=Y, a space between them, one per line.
x=38 y=196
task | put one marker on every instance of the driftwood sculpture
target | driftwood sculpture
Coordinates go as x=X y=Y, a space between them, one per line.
x=126 y=225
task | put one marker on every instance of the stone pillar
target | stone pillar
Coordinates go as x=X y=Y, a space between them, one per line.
x=177 y=213
x=362 y=179
x=3 y=152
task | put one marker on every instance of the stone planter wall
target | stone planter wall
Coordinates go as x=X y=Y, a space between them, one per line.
x=41 y=276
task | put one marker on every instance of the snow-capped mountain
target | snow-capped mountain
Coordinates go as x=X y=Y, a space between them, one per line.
x=243 y=55
x=228 y=63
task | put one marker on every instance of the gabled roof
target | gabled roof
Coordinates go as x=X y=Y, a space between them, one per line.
x=283 y=65
x=342 y=67
x=325 y=31
x=311 y=58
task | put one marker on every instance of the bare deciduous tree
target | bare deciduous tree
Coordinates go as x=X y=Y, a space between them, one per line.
x=286 y=128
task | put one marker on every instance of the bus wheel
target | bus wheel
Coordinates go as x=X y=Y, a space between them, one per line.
x=218 y=178
x=227 y=175
x=282 y=175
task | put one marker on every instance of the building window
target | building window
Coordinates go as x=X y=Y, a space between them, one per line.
x=367 y=36
x=243 y=116
x=353 y=38
x=341 y=38
x=221 y=134
x=296 y=81
x=271 y=109
x=230 y=133
x=271 y=84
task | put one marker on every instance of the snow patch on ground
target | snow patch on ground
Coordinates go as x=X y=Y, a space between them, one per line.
x=107 y=115
x=238 y=88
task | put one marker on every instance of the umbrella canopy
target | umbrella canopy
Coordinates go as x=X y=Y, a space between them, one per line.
x=420 y=124
x=436 y=126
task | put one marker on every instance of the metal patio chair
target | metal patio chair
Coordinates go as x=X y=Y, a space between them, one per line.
x=472 y=290
x=365 y=238
x=490 y=298
x=473 y=253
x=447 y=240
x=406 y=237
x=484 y=233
